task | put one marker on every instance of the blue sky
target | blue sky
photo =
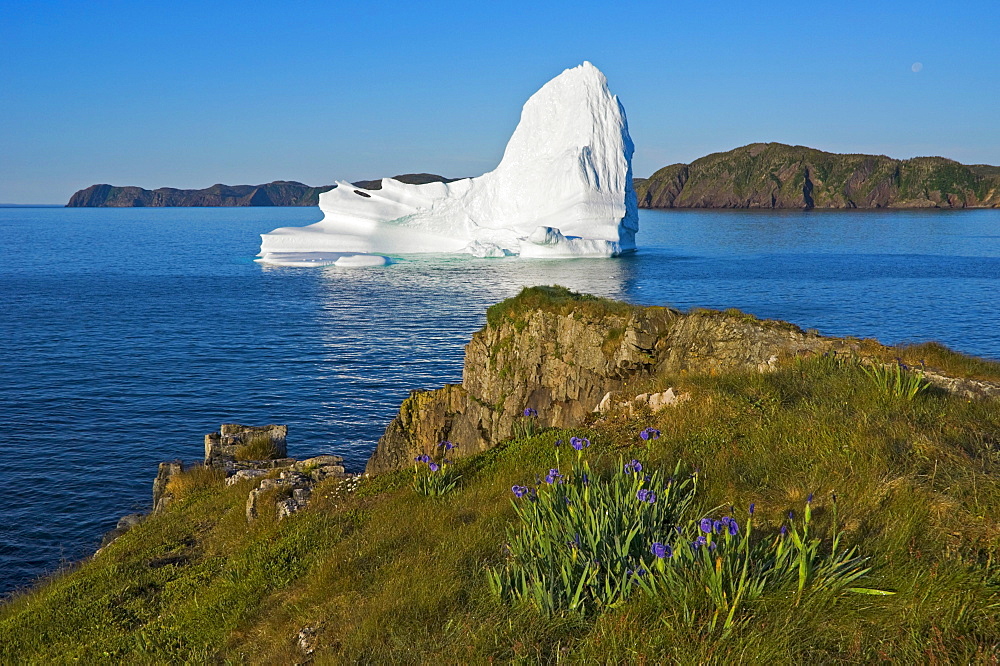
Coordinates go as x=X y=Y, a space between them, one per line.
x=187 y=94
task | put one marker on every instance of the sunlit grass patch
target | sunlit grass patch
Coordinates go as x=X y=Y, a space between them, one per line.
x=194 y=478
x=259 y=446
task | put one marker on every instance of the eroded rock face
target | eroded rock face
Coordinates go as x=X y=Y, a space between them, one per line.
x=563 y=364
x=568 y=361
x=163 y=474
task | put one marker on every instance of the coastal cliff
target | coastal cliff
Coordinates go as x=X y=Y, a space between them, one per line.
x=560 y=354
x=277 y=193
x=775 y=175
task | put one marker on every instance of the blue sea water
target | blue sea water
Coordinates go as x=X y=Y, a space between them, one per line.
x=130 y=333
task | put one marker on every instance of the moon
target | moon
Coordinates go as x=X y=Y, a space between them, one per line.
x=916 y=67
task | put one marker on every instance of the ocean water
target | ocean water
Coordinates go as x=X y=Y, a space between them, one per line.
x=130 y=333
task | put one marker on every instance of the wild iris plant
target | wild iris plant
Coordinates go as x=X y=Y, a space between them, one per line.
x=526 y=425
x=897 y=380
x=727 y=561
x=436 y=477
x=585 y=543
x=583 y=539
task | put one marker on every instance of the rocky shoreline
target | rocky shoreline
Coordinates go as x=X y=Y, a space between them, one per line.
x=567 y=361
x=285 y=484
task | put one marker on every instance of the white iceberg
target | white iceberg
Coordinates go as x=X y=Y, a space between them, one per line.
x=563 y=189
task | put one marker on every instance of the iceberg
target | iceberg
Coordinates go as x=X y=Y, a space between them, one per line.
x=562 y=189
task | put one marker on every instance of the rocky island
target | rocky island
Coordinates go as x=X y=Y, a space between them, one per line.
x=876 y=466
x=277 y=193
x=775 y=175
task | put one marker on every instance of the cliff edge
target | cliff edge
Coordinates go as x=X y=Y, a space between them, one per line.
x=560 y=354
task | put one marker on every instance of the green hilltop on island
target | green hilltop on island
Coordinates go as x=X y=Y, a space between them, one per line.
x=774 y=175
x=760 y=175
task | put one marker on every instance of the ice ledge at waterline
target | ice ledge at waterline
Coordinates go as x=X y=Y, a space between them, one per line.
x=563 y=189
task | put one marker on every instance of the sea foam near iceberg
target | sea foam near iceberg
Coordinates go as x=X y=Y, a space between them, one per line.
x=563 y=189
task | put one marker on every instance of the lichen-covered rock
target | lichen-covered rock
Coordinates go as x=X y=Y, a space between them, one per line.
x=160 y=496
x=244 y=474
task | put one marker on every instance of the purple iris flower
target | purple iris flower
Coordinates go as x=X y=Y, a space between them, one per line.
x=651 y=497
x=753 y=507
x=725 y=520
x=712 y=546
x=448 y=446
x=519 y=491
x=809 y=499
x=434 y=466
x=642 y=494
x=585 y=479
x=705 y=525
x=734 y=528
x=552 y=476
x=661 y=550
x=791 y=515
x=718 y=527
x=784 y=531
x=650 y=433
x=528 y=411
x=579 y=443
x=633 y=467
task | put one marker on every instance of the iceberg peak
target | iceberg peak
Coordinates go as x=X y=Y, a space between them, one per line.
x=562 y=189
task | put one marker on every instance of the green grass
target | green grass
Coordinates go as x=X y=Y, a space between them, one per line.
x=388 y=576
x=556 y=299
x=258 y=446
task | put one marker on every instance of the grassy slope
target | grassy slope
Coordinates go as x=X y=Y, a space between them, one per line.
x=389 y=576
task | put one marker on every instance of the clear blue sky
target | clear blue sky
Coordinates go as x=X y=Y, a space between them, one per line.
x=187 y=94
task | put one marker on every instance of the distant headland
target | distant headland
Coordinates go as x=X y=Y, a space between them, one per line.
x=775 y=175
x=759 y=175
x=277 y=193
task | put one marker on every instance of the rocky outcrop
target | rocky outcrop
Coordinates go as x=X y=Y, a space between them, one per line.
x=292 y=479
x=163 y=475
x=294 y=485
x=774 y=175
x=235 y=441
x=277 y=193
x=564 y=355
